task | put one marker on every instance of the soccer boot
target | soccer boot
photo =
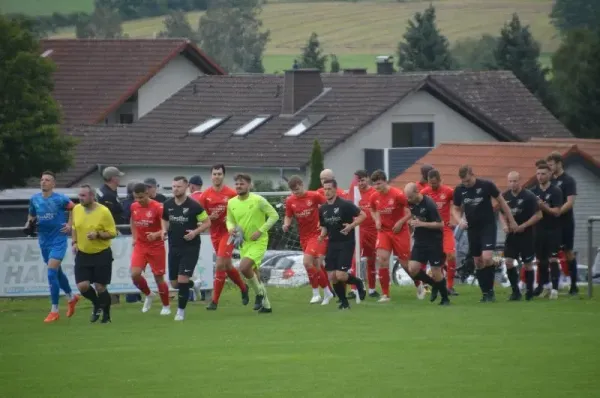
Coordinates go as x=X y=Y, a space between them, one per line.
x=327 y=296
x=264 y=310
x=452 y=292
x=316 y=299
x=106 y=315
x=445 y=301
x=515 y=296
x=573 y=291
x=421 y=292
x=434 y=294
x=71 y=305
x=554 y=294
x=166 y=310
x=484 y=298
x=383 y=299
x=374 y=294
x=148 y=302
x=212 y=306
x=538 y=290
x=245 y=297
x=179 y=317
x=52 y=317
x=491 y=296
x=529 y=295
x=351 y=295
x=546 y=292
x=96 y=312
x=344 y=306
x=362 y=293
x=258 y=302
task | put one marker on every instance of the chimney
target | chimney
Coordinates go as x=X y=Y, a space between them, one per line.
x=385 y=64
x=355 y=71
x=300 y=86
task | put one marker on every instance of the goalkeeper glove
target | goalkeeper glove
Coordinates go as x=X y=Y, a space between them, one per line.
x=236 y=238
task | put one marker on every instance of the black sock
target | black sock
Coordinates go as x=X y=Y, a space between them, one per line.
x=491 y=277
x=183 y=295
x=104 y=300
x=480 y=274
x=529 y=277
x=543 y=270
x=340 y=290
x=554 y=274
x=422 y=276
x=513 y=278
x=91 y=295
x=441 y=286
x=353 y=280
x=573 y=272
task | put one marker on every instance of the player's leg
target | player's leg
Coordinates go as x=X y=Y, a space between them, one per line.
x=252 y=254
x=474 y=237
x=436 y=258
x=554 y=265
x=83 y=278
x=102 y=277
x=189 y=260
x=418 y=257
x=343 y=266
x=220 y=276
x=543 y=262
x=57 y=254
x=401 y=243
x=225 y=252
x=311 y=254
x=370 y=253
x=568 y=240
x=384 y=247
x=450 y=252
x=53 y=315
x=173 y=259
x=511 y=252
x=157 y=260
x=138 y=264
x=527 y=256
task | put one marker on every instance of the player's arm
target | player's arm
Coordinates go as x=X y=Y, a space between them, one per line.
x=407 y=215
x=109 y=228
x=437 y=222
x=457 y=211
x=358 y=214
x=495 y=193
x=374 y=213
x=554 y=205
x=570 y=191
x=164 y=221
x=323 y=234
x=271 y=214
x=32 y=213
x=133 y=231
x=203 y=221
x=230 y=218
x=289 y=215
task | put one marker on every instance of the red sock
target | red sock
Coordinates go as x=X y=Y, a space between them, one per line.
x=450 y=274
x=140 y=283
x=163 y=291
x=371 y=271
x=324 y=279
x=219 y=282
x=564 y=266
x=236 y=278
x=522 y=275
x=384 y=280
x=313 y=277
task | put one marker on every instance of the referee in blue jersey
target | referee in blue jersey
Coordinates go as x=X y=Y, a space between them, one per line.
x=50 y=212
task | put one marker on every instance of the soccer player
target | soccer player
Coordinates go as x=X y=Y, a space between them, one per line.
x=442 y=196
x=388 y=207
x=304 y=205
x=247 y=212
x=148 y=247
x=473 y=197
x=214 y=200
x=184 y=220
x=93 y=229
x=338 y=217
x=424 y=181
x=548 y=231
x=196 y=187
x=152 y=185
x=428 y=237
x=51 y=212
x=368 y=233
x=568 y=187
x=520 y=242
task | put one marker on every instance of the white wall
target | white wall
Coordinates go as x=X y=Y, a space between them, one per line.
x=174 y=76
x=449 y=126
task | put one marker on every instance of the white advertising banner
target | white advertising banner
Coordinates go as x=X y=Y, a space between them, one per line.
x=23 y=272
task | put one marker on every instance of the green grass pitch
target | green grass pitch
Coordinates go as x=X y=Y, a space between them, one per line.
x=405 y=348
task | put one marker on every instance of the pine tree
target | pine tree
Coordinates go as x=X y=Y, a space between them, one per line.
x=335 y=64
x=312 y=54
x=424 y=48
x=316 y=166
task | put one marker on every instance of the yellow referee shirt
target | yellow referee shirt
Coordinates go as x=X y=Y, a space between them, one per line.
x=97 y=220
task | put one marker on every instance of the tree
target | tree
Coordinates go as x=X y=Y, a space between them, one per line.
x=475 y=53
x=30 y=138
x=335 y=64
x=104 y=23
x=517 y=51
x=424 y=48
x=312 y=54
x=576 y=77
x=316 y=166
x=574 y=14
x=231 y=32
x=177 y=25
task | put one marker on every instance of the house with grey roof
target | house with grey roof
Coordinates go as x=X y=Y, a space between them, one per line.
x=266 y=124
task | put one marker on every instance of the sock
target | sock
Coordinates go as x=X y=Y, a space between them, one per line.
x=313 y=277
x=340 y=291
x=356 y=282
x=480 y=274
x=236 y=278
x=554 y=274
x=491 y=275
x=422 y=276
x=266 y=302
x=54 y=308
x=63 y=282
x=529 y=278
x=573 y=272
x=54 y=287
x=451 y=273
x=384 y=280
x=183 y=295
x=513 y=278
x=219 y=282
x=141 y=283
x=352 y=272
x=523 y=275
x=371 y=272
x=104 y=300
x=255 y=285
x=441 y=285
x=91 y=295
x=163 y=291
x=543 y=272
x=324 y=279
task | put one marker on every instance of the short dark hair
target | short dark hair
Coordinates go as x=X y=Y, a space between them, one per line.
x=378 y=175
x=543 y=166
x=140 y=188
x=243 y=176
x=425 y=170
x=539 y=162
x=433 y=173
x=464 y=171
x=49 y=173
x=218 y=166
x=331 y=181
x=294 y=181
x=361 y=174
x=89 y=188
x=180 y=178
x=555 y=157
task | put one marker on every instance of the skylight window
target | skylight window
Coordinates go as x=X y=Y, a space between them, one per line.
x=208 y=125
x=303 y=126
x=251 y=125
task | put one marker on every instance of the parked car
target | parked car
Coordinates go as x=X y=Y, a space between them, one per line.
x=288 y=271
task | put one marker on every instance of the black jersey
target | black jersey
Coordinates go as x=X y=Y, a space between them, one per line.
x=523 y=205
x=553 y=197
x=426 y=210
x=477 y=202
x=182 y=219
x=333 y=217
x=568 y=187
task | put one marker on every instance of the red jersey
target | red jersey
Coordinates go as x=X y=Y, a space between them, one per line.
x=340 y=192
x=365 y=205
x=196 y=196
x=306 y=211
x=442 y=198
x=146 y=219
x=421 y=185
x=215 y=202
x=390 y=206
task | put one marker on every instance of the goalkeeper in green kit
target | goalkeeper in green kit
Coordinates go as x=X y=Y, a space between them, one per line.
x=249 y=218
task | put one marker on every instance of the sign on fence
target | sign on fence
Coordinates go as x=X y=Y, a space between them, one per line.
x=23 y=272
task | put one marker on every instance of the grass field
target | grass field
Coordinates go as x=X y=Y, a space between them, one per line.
x=407 y=348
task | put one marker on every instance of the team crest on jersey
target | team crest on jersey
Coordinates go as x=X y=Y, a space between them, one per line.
x=149 y=213
x=519 y=201
x=293 y=205
x=336 y=210
x=558 y=183
x=391 y=201
x=443 y=196
x=478 y=191
x=547 y=196
x=309 y=203
x=185 y=210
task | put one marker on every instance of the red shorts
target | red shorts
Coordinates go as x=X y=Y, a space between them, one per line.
x=313 y=247
x=153 y=256
x=222 y=248
x=368 y=243
x=398 y=243
x=449 y=244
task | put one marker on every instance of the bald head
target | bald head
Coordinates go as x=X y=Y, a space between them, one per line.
x=326 y=174
x=412 y=192
x=514 y=181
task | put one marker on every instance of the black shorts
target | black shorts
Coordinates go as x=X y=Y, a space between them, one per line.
x=183 y=261
x=339 y=256
x=432 y=254
x=547 y=243
x=568 y=235
x=94 y=267
x=520 y=246
x=482 y=238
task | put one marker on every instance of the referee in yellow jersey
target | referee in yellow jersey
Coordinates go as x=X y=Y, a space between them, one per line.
x=93 y=229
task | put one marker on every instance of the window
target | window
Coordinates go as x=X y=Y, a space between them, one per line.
x=126 y=118
x=207 y=126
x=406 y=135
x=307 y=123
x=251 y=125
